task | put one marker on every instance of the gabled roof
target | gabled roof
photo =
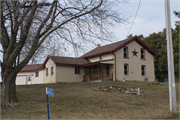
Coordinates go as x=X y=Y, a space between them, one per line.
x=116 y=46
x=67 y=61
x=31 y=68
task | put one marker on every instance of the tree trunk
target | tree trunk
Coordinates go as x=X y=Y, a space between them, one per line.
x=9 y=92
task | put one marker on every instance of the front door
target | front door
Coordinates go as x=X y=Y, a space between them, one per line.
x=29 y=80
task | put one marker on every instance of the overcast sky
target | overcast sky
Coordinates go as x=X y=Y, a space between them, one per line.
x=150 y=17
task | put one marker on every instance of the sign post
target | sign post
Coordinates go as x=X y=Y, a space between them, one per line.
x=49 y=92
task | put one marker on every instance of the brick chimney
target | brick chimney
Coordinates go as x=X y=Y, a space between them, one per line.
x=98 y=45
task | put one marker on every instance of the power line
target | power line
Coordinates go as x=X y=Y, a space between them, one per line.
x=134 y=17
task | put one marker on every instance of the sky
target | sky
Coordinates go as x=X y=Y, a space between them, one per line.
x=150 y=18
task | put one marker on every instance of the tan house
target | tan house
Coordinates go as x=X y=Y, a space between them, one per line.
x=130 y=60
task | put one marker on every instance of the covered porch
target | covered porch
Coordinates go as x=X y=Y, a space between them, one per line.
x=103 y=70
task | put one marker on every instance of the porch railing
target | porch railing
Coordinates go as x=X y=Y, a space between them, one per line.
x=98 y=77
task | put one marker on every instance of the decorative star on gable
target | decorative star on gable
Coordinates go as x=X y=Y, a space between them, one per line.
x=134 y=53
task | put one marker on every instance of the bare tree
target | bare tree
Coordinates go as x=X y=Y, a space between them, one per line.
x=25 y=25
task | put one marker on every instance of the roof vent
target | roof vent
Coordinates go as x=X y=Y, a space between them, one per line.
x=98 y=45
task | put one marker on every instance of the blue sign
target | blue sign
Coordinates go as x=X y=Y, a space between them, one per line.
x=49 y=91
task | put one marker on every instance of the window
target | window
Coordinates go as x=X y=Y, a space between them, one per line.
x=94 y=70
x=142 y=53
x=36 y=73
x=77 y=70
x=52 y=71
x=46 y=71
x=101 y=58
x=29 y=78
x=143 y=70
x=125 y=52
x=107 y=70
x=126 y=71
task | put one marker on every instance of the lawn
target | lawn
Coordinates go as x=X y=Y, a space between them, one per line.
x=79 y=101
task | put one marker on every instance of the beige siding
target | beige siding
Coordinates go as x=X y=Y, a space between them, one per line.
x=134 y=64
x=108 y=56
x=22 y=78
x=50 y=78
x=94 y=59
x=67 y=74
x=105 y=57
x=40 y=78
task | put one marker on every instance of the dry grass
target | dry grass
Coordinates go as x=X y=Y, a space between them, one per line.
x=79 y=101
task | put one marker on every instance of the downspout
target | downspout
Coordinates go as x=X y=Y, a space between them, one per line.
x=114 y=66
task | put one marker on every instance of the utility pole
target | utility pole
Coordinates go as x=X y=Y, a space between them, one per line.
x=172 y=90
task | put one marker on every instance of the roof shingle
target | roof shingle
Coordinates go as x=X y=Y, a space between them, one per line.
x=34 y=67
x=103 y=49
x=68 y=60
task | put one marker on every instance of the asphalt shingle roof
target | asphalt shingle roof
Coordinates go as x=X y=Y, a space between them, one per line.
x=106 y=48
x=34 y=67
x=68 y=60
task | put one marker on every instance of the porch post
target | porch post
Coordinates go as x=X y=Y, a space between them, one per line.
x=101 y=71
x=92 y=74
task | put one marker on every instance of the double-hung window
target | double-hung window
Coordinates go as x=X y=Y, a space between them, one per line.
x=142 y=54
x=125 y=52
x=46 y=71
x=77 y=70
x=36 y=73
x=52 y=70
x=143 y=70
x=126 y=69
